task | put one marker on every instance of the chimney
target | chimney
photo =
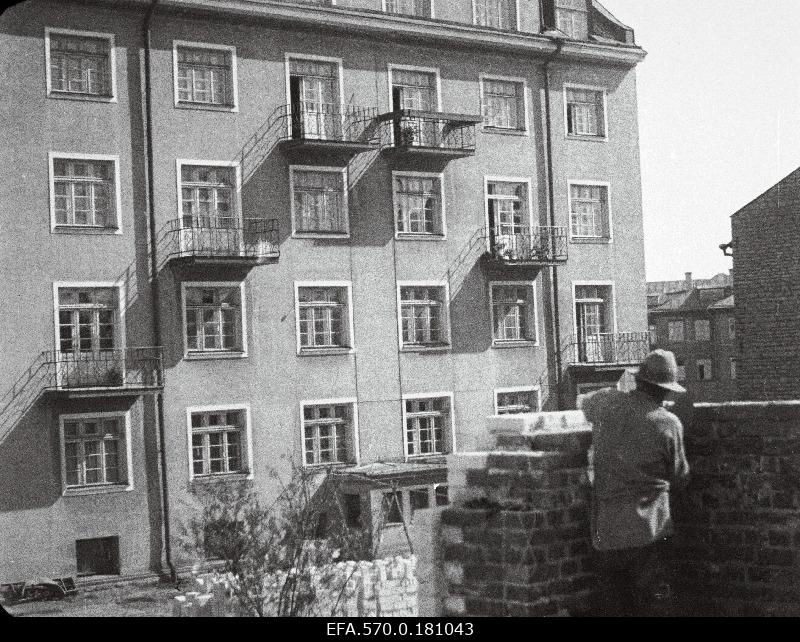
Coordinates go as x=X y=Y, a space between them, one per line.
x=689 y=284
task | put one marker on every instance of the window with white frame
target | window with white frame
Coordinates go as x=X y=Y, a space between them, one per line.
x=733 y=369
x=594 y=321
x=731 y=328
x=418 y=204
x=87 y=319
x=675 y=330
x=705 y=369
x=589 y=211
x=418 y=8
x=514 y=402
x=508 y=210
x=314 y=97
x=702 y=330
x=572 y=18
x=205 y=75
x=427 y=425
x=500 y=14
x=329 y=433
x=94 y=451
x=213 y=318
x=423 y=315
x=586 y=114
x=84 y=193
x=81 y=64
x=208 y=196
x=219 y=442
x=513 y=312
x=319 y=199
x=504 y=104
x=323 y=317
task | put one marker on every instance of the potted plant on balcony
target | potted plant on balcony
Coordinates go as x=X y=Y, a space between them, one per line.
x=407 y=135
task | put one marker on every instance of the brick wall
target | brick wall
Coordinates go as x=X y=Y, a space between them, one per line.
x=516 y=541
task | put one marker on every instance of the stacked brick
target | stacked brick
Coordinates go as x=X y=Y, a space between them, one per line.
x=383 y=588
x=516 y=541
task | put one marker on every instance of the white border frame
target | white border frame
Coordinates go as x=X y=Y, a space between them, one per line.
x=69 y=491
x=180 y=162
x=351 y=401
x=411 y=16
x=584 y=137
x=190 y=410
x=429 y=395
x=537 y=389
x=319 y=352
x=80 y=229
x=590 y=239
x=427 y=70
x=504 y=179
x=490 y=129
x=408 y=236
x=202 y=355
x=610 y=284
x=521 y=343
x=234 y=78
x=446 y=306
x=345 y=201
x=475 y=17
x=299 y=56
x=112 y=63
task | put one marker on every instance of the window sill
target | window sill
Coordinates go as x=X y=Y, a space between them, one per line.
x=504 y=345
x=444 y=347
x=332 y=464
x=227 y=109
x=87 y=230
x=221 y=478
x=400 y=236
x=505 y=132
x=320 y=235
x=435 y=458
x=77 y=491
x=587 y=139
x=203 y=356
x=324 y=352
x=590 y=240
x=90 y=98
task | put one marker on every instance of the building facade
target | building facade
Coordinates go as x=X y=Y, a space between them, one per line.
x=343 y=234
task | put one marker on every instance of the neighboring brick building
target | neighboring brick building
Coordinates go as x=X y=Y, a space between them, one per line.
x=697 y=323
x=246 y=229
x=766 y=269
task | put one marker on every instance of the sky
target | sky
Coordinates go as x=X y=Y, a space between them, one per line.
x=719 y=119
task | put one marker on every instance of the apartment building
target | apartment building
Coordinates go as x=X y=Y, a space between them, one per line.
x=697 y=322
x=238 y=234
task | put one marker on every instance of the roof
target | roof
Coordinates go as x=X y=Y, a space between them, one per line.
x=725 y=303
x=695 y=300
x=384 y=469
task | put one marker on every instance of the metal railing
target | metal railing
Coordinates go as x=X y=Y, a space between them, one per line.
x=430 y=130
x=117 y=368
x=541 y=244
x=607 y=348
x=220 y=238
x=327 y=122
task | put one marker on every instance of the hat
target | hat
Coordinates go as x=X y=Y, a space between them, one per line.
x=660 y=369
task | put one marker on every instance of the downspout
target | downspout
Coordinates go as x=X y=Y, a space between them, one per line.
x=148 y=135
x=552 y=218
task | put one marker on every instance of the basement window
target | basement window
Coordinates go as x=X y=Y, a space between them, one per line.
x=98 y=556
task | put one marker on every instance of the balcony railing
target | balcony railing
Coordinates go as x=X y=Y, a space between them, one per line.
x=221 y=239
x=327 y=126
x=538 y=245
x=610 y=348
x=426 y=132
x=131 y=369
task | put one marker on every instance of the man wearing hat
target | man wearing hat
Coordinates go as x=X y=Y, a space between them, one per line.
x=638 y=456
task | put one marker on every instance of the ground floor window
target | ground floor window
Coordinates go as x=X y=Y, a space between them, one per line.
x=219 y=442
x=94 y=450
x=427 y=426
x=517 y=401
x=329 y=433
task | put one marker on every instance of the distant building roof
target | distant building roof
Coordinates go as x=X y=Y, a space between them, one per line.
x=694 y=300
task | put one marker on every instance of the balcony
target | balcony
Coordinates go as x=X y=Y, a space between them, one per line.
x=329 y=130
x=128 y=371
x=431 y=134
x=533 y=246
x=221 y=241
x=611 y=349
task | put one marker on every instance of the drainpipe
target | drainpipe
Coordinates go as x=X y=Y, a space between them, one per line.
x=148 y=135
x=552 y=216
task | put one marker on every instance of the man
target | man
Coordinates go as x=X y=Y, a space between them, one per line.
x=637 y=457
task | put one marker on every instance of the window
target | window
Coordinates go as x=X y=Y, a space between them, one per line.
x=442 y=495
x=681 y=369
x=95 y=451
x=319 y=201
x=419 y=498
x=207 y=195
x=705 y=370
x=416 y=90
x=423 y=315
x=731 y=328
x=351 y=506
x=87 y=319
x=428 y=422
x=323 y=317
x=586 y=112
x=418 y=204
x=513 y=308
x=589 y=212
x=733 y=369
x=500 y=14
x=314 y=95
x=594 y=321
x=214 y=319
x=504 y=104
x=418 y=8
x=675 y=330
x=80 y=64
x=219 y=441
x=572 y=18
x=517 y=401
x=702 y=330
x=205 y=75
x=84 y=192
x=393 y=507
x=329 y=433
